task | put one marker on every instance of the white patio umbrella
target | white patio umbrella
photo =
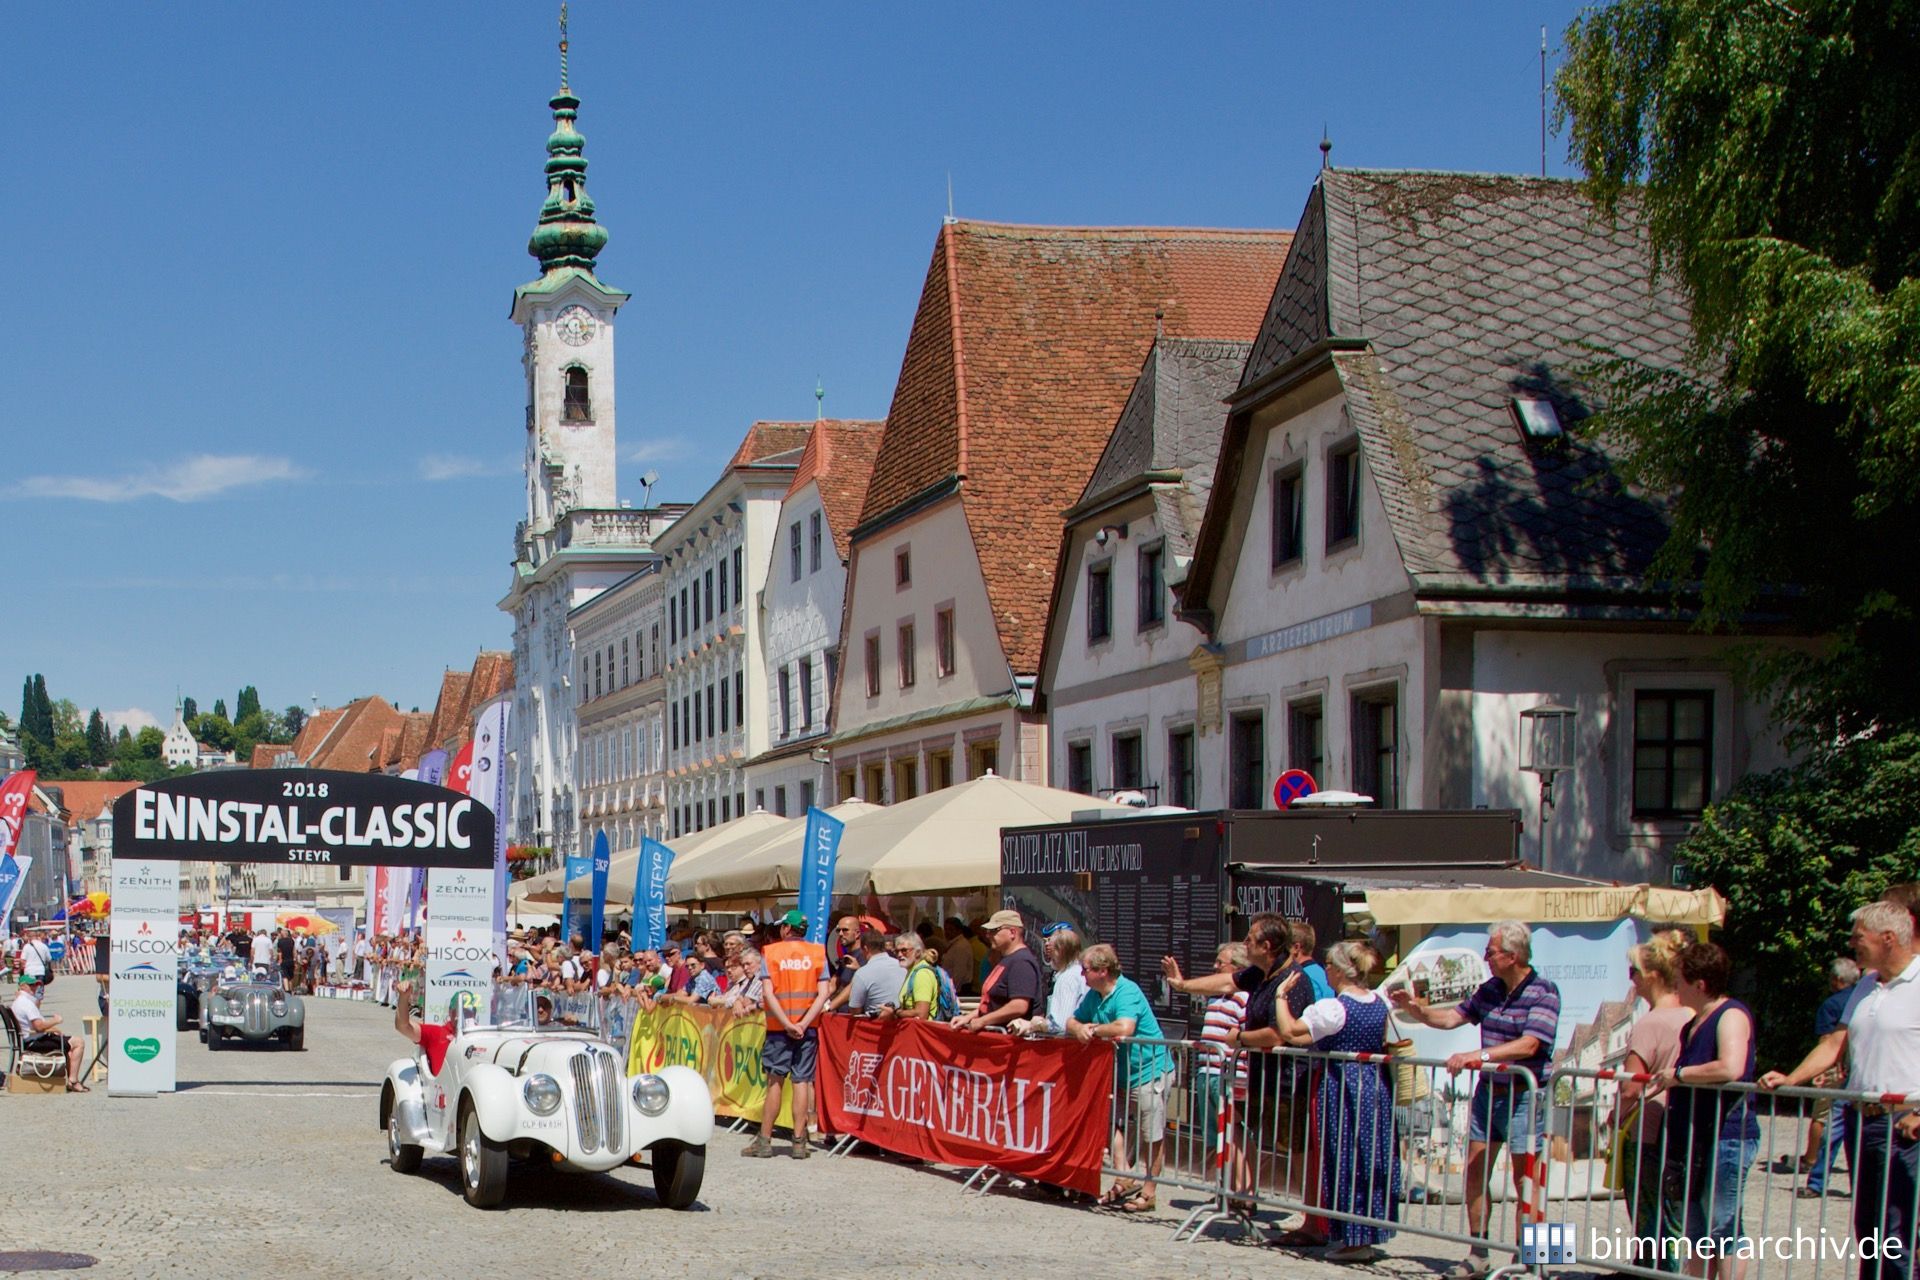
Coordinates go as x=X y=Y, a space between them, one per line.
x=550 y=887
x=766 y=867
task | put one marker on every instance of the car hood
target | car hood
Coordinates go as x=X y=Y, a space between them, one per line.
x=526 y=1051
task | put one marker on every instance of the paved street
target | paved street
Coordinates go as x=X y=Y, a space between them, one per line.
x=268 y=1161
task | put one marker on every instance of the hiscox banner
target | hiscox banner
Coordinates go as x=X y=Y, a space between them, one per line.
x=145 y=970
x=303 y=815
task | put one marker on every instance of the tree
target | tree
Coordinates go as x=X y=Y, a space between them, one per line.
x=67 y=718
x=150 y=742
x=248 y=730
x=99 y=743
x=248 y=703
x=292 y=721
x=220 y=707
x=189 y=710
x=1773 y=150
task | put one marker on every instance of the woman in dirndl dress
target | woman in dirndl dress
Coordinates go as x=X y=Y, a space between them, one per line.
x=1359 y=1156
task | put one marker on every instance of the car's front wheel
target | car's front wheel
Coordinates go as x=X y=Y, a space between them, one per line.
x=678 y=1170
x=213 y=1038
x=483 y=1163
x=403 y=1156
x=297 y=1038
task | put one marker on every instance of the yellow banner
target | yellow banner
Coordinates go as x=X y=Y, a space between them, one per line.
x=723 y=1047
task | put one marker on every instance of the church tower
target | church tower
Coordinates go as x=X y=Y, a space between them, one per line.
x=566 y=318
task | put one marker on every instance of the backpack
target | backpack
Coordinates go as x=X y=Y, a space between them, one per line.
x=946 y=1006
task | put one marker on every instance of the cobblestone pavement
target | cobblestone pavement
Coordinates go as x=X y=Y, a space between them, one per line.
x=268 y=1162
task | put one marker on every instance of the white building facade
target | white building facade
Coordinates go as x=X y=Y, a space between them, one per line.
x=716 y=557
x=620 y=682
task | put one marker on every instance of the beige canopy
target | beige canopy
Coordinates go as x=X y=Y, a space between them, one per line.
x=943 y=841
x=1576 y=903
x=549 y=887
x=764 y=865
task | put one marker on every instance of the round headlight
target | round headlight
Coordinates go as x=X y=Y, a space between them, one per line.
x=542 y=1093
x=650 y=1094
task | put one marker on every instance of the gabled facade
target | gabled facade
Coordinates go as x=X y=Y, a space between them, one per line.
x=799 y=613
x=1118 y=676
x=1023 y=351
x=1407 y=544
x=716 y=565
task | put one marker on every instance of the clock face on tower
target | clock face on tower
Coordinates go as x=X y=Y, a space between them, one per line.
x=575 y=326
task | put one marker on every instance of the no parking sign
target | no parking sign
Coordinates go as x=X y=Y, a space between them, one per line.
x=1290 y=786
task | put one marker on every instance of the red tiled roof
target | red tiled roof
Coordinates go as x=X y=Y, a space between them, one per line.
x=462 y=693
x=413 y=739
x=1025 y=346
x=765 y=439
x=356 y=738
x=839 y=459
x=315 y=730
x=264 y=753
x=83 y=800
x=446 y=719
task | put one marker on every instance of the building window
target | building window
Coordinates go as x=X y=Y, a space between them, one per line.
x=903 y=567
x=786 y=702
x=943 y=641
x=793 y=548
x=712 y=818
x=739 y=697
x=873 y=664
x=579 y=404
x=710 y=596
x=847 y=787
x=806 y=796
x=596 y=675
x=723 y=583
x=626 y=677
x=653 y=650
x=780 y=801
x=906 y=655
x=1099 y=602
x=1376 y=746
x=1343 y=494
x=1247 y=761
x=1289 y=517
x=1182 y=778
x=673 y=623
x=723 y=704
x=1129 y=762
x=586 y=677
x=806 y=693
x=1080 y=768
x=939 y=770
x=759 y=798
x=1153 y=585
x=1672 y=752
x=710 y=709
x=1307 y=739
x=906 y=779
x=833 y=670
x=726 y=813
x=739 y=581
x=813 y=543
x=983 y=758
x=876 y=783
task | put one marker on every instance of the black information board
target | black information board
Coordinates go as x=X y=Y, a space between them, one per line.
x=1148 y=887
x=1253 y=891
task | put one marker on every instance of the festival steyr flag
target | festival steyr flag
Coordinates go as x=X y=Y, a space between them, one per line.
x=14 y=794
x=487 y=782
x=602 y=861
x=816 y=871
x=650 y=895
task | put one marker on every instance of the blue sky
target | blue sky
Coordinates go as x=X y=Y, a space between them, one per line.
x=261 y=398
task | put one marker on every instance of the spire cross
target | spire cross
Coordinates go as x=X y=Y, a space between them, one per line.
x=563 y=48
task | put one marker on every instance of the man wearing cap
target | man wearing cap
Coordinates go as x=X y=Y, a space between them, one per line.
x=1016 y=986
x=41 y=1031
x=795 y=981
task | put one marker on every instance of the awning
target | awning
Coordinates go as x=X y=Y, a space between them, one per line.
x=1482 y=894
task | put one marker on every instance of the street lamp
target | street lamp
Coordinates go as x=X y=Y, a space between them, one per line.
x=1546 y=748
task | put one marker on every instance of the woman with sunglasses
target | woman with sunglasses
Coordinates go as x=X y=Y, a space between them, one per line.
x=1652 y=1046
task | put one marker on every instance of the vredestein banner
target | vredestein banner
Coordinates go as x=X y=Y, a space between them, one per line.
x=145 y=973
x=816 y=871
x=650 y=895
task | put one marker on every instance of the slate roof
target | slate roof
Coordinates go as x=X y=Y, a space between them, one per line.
x=1465 y=291
x=839 y=460
x=1024 y=349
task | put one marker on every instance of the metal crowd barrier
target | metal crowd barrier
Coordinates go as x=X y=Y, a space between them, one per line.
x=1643 y=1201
x=1156 y=1132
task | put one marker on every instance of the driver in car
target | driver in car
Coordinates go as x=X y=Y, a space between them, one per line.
x=434 y=1038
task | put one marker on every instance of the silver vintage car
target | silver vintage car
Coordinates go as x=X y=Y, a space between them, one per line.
x=253 y=1008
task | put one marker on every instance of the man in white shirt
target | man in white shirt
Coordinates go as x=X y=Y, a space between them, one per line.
x=41 y=1031
x=36 y=957
x=261 y=952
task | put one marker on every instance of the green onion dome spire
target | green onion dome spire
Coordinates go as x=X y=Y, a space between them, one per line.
x=567 y=235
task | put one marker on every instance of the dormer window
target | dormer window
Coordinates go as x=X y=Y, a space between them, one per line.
x=579 y=403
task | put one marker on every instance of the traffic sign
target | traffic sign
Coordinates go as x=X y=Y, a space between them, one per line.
x=1290 y=786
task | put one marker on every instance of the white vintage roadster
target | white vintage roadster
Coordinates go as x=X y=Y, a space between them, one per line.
x=533 y=1084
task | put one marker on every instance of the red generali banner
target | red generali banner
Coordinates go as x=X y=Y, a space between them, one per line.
x=1035 y=1109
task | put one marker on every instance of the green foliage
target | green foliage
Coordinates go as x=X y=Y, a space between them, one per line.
x=213 y=728
x=1795 y=852
x=247 y=704
x=292 y=721
x=189 y=710
x=150 y=743
x=99 y=742
x=1773 y=150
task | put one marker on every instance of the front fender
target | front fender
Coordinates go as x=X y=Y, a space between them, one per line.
x=403 y=1093
x=495 y=1096
x=689 y=1114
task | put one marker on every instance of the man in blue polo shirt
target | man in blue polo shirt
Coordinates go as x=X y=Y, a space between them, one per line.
x=1518 y=1013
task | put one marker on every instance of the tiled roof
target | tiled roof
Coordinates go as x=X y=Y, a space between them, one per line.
x=356 y=739
x=1469 y=290
x=315 y=730
x=265 y=752
x=765 y=440
x=462 y=693
x=84 y=799
x=839 y=459
x=1025 y=347
x=449 y=707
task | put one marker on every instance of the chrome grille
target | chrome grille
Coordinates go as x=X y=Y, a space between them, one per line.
x=257 y=1020
x=586 y=1102
x=610 y=1082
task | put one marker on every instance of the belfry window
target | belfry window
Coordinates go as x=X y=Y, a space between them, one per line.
x=579 y=405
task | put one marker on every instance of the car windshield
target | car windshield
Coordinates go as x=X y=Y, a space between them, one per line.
x=522 y=1006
